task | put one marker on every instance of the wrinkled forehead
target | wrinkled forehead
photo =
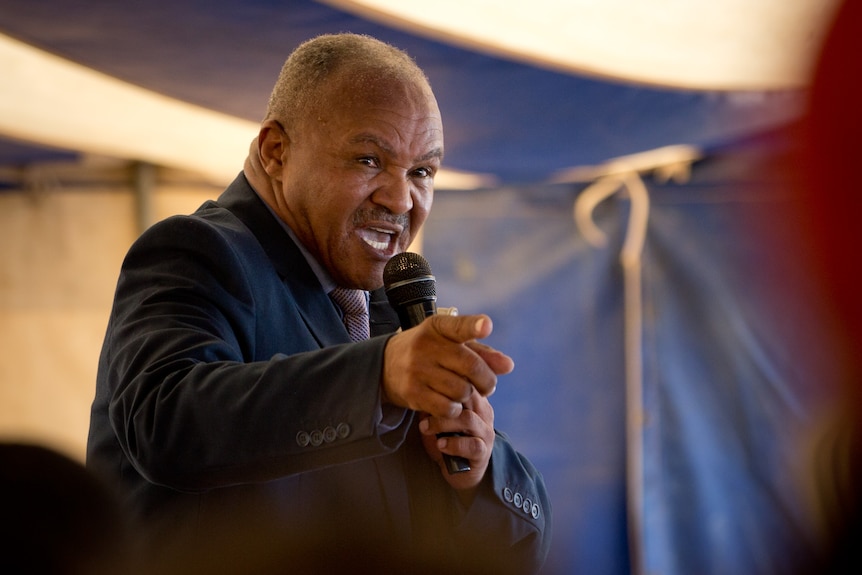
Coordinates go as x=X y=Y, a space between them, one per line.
x=361 y=101
x=378 y=88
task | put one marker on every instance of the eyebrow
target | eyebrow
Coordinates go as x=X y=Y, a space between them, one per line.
x=371 y=138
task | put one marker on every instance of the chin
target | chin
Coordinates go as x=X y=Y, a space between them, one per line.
x=369 y=278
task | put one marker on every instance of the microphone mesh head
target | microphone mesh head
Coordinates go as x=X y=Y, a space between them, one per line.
x=407 y=278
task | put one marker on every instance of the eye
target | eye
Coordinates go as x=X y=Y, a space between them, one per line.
x=370 y=161
x=424 y=172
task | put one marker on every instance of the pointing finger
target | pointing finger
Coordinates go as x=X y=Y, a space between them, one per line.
x=461 y=329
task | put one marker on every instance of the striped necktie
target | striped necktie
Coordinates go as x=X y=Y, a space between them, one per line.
x=353 y=305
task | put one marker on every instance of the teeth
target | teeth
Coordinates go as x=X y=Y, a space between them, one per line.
x=376 y=245
x=376 y=238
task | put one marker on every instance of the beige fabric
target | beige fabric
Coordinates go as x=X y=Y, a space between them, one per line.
x=60 y=255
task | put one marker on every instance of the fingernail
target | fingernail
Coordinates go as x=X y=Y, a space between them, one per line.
x=423 y=426
x=442 y=443
x=479 y=324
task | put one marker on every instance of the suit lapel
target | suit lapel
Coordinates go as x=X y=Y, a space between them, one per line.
x=322 y=319
x=313 y=304
x=315 y=307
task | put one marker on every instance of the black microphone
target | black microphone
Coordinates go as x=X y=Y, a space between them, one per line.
x=412 y=291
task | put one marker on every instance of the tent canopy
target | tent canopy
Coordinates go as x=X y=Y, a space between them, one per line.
x=524 y=94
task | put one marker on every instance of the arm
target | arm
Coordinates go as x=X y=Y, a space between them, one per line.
x=507 y=527
x=510 y=517
x=499 y=511
x=211 y=371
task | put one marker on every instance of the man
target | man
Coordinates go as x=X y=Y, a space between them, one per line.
x=227 y=379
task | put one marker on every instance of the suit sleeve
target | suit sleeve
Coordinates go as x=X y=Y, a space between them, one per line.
x=507 y=528
x=213 y=377
x=510 y=518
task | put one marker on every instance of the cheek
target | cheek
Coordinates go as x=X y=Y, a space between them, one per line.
x=417 y=219
x=333 y=205
x=421 y=208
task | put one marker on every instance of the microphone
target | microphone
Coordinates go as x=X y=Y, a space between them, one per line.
x=412 y=291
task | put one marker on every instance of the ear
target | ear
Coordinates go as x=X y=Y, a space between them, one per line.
x=272 y=144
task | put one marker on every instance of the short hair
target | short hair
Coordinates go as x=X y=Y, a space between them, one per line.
x=307 y=69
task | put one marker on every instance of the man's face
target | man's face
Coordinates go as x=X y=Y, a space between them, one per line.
x=358 y=175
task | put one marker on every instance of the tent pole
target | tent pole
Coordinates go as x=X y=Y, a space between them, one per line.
x=144 y=175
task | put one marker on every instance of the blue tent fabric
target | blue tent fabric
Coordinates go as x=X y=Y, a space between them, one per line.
x=730 y=388
x=555 y=302
x=520 y=122
x=734 y=383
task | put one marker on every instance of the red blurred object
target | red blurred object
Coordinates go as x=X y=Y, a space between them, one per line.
x=830 y=205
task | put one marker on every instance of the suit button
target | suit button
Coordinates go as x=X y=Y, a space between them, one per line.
x=329 y=434
x=518 y=500
x=343 y=430
x=527 y=505
x=303 y=439
x=316 y=437
x=507 y=495
x=535 y=511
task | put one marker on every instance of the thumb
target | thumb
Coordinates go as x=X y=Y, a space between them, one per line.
x=463 y=328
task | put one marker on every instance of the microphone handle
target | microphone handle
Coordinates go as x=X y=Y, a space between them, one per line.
x=454 y=463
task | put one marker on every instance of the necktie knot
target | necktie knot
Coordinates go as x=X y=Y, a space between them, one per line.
x=353 y=306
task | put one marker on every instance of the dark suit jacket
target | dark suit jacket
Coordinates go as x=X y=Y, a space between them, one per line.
x=227 y=375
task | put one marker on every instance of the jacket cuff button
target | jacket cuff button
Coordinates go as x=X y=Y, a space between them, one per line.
x=303 y=439
x=316 y=437
x=343 y=430
x=329 y=434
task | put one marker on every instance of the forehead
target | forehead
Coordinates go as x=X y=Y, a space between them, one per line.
x=355 y=104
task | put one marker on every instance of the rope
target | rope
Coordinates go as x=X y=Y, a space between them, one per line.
x=630 y=259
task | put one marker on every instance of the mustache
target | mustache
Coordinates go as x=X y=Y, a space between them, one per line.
x=364 y=215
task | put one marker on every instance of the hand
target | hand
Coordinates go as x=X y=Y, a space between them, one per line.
x=475 y=423
x=437 y=366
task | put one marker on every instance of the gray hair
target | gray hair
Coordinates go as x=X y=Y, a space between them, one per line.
x=312 y=63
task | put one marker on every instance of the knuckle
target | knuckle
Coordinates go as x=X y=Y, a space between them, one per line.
x=475 y=366
x=453 y=410
x=474 y=447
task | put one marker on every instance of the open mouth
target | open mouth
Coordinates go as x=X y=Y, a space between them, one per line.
x=378 y=238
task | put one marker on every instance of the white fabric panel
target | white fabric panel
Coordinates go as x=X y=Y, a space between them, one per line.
x=716 y=45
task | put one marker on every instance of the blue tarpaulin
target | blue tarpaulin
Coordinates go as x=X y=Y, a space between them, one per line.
x=735 y=366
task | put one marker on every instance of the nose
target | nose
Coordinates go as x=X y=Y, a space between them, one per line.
x=394 y=192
